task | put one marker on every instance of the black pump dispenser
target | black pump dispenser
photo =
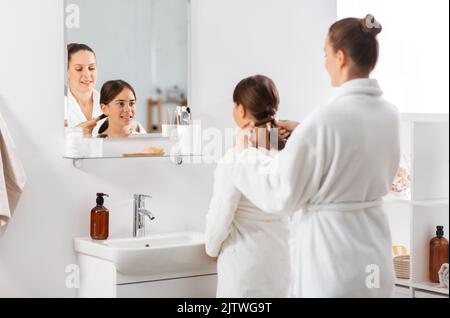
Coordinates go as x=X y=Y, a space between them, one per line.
x=440 y=231
x=100 y=199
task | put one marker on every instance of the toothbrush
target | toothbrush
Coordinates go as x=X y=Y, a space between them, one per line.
x=168 y=117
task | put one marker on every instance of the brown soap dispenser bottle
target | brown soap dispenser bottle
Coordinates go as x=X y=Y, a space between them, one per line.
x=100 y=219
x=438 y=254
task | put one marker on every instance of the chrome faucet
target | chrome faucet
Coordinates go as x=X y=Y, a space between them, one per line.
x=140 y=212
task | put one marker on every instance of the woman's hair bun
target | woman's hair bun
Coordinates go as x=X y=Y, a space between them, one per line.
x=71 y=46
x=370 y=25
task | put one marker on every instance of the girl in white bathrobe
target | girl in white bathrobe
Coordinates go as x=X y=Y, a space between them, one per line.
x=252 y=246
x=336 y=168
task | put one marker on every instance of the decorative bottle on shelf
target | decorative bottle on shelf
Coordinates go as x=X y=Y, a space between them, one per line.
x=438 y=254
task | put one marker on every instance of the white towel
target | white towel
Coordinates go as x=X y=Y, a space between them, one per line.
x=12 y=176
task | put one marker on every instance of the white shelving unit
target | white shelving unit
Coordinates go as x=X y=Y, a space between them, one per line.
x=425 y=142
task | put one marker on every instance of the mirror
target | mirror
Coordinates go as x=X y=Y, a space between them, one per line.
x=127 y=60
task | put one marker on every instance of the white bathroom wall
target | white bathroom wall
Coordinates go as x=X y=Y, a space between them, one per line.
x=282 y=39
x=230 y=39
x=414 y=67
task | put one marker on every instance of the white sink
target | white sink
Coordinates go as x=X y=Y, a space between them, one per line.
x=159 y=254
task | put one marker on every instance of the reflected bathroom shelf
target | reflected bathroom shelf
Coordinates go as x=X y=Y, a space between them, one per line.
x=177 y=159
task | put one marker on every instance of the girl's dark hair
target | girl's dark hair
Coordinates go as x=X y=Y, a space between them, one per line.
x=358 y=39
x=109 y=91
x=259 y=96
x=74 y=48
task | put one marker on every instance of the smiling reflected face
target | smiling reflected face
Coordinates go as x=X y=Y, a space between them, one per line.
x=122 y=110
x=82 y=72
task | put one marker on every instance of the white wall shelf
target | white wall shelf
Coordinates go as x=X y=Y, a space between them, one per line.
x=134 y=148
x=425 y=140
x=427 y=286
x=176 y=159
x=403 y=282
x=424 y=203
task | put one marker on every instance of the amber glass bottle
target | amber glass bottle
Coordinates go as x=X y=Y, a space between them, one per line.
x=438 y=254
x=100 y=219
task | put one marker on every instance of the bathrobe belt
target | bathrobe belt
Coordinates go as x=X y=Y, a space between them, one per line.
x=344 y=207
x=263 y=217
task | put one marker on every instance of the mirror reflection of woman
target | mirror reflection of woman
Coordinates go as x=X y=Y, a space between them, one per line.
x=82 y=107
x=118 y=103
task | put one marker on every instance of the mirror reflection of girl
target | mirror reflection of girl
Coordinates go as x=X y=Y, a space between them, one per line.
x=82 y=107
x=118 y=103
x=251 y=245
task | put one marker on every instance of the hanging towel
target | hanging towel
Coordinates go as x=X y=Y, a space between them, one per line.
x=12 y=176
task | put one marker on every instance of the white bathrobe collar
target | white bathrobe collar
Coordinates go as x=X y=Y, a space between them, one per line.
x=363 y=86
x=74 y=111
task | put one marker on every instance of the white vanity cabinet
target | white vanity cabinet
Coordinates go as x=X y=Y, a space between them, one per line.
x=186 y=287
x=100 y=279
x=161 y=266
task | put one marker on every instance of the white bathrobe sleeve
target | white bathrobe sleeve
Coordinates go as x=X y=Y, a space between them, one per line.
x=222 y=209
x=284 y=184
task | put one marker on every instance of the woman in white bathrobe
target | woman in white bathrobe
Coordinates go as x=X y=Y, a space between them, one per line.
x=82 y=103
x=336 y=168
x=252 y=246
